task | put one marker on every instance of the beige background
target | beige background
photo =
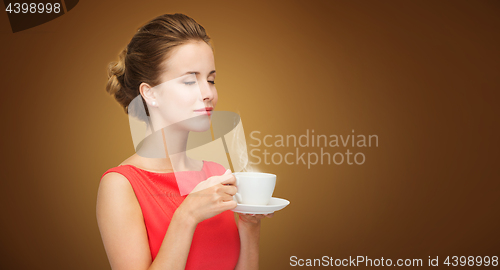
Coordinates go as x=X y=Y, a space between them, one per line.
x=422 y=75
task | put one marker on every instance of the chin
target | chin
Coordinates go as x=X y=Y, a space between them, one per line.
x=197 y=124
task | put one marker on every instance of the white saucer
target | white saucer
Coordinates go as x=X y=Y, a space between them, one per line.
x=275 y=204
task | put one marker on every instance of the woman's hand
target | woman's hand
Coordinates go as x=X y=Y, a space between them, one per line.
x=253 y=218
x=249 y=230
x=210 y=197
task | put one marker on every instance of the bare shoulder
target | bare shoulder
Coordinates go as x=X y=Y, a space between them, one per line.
x=114 y=179
x=115 y=187
x=116 y=199
x=116 y=183
x=121 y=223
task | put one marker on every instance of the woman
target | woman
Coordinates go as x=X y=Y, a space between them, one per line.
x=144 y=220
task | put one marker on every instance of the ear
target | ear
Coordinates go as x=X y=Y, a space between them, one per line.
x=147 y=93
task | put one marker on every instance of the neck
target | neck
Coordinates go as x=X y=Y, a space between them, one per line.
x=165 y=149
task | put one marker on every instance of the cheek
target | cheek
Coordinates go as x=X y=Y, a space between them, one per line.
x=182 y=98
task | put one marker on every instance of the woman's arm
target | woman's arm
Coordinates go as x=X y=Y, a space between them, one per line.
x=174 y=250
x=124 y=235
x=123 y=231
x=249 y=229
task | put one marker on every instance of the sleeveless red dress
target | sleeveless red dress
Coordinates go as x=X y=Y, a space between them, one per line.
x=216 y=242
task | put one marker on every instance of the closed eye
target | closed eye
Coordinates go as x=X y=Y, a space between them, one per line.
x=190 y=83
x=212 y=82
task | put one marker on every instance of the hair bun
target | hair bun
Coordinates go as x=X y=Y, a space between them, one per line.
x=116 y=71
x=115 y=85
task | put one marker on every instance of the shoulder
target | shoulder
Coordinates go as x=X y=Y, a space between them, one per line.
x=122 y=171
x=121 y=223
x=115 y=193
x=118 y=180
x=114 y=177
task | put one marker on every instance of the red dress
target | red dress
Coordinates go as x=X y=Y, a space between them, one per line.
x=216 y=242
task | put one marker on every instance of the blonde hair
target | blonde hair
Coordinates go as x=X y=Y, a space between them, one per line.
x=141 y=60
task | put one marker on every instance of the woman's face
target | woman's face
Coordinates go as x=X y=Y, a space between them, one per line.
x=186 y=95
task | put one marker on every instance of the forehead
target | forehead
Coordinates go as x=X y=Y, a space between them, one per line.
x=195 y=56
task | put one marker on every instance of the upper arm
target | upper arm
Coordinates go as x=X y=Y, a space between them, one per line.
x=121 y=224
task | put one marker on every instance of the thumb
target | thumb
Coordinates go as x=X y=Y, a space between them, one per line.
x=219 y=178
x=227 y=175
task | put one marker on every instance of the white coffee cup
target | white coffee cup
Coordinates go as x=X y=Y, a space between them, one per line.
x=254 y=188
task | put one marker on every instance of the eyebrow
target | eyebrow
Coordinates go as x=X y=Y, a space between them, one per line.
x=196 y=72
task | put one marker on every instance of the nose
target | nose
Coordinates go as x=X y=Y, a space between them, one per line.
x=207 y=93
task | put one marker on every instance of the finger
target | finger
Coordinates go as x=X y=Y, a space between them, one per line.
x=219 y=178
x=226 y=198
x=244 y=219
x=230 y=180
x=231 y=204
x=229 y=190
x=269 y=215
x=206 y=184
x=225 y=175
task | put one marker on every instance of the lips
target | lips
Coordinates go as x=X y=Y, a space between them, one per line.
x=207 y=110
